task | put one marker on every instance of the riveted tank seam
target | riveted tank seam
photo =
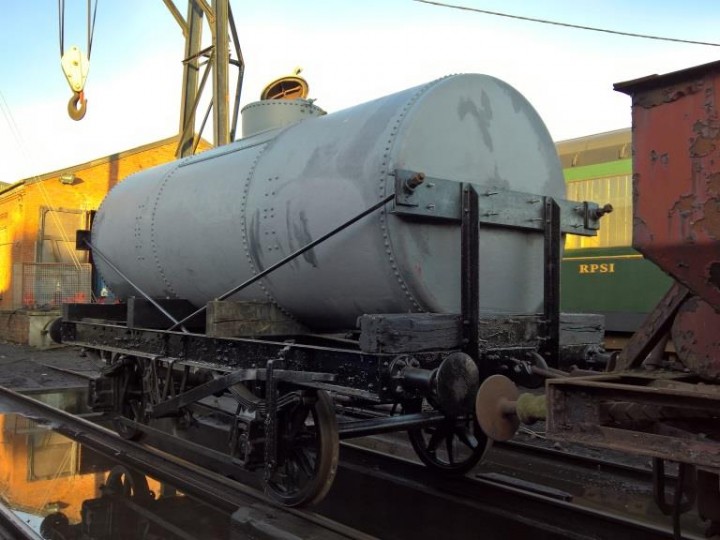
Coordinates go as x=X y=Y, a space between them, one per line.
x=96 y=228
x=285 y=103
x=243 y=212
x=153 y=244
x=260 y=125
x=384 y=172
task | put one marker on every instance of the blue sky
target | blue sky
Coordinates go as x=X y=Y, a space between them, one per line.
x=351 y=51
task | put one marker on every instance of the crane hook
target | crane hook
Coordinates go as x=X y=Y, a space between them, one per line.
x=75 y=66
x=77 y=112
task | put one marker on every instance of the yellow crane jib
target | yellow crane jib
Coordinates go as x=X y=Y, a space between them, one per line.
x=75 y=66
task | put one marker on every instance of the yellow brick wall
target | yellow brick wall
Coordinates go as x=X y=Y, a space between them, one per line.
x=21 y=206
x=12 y=236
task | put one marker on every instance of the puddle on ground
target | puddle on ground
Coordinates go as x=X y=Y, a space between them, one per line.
x=64 y=490
x=72 y=400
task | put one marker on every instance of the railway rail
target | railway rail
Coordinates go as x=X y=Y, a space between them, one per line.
x=214 y=489
x=11 y=526
x=546 y=484
x=405 y=499
x=631 y=471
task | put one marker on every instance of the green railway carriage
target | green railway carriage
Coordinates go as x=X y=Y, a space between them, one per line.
x=604 y=274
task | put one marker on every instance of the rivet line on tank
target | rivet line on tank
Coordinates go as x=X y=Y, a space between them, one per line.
x=383 y=181
x=153 y=243
x=244 y=201
x=246 y=247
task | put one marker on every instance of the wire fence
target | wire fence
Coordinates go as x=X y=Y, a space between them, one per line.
x=49 y=285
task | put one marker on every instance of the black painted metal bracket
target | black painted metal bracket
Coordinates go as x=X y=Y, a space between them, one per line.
x=423 y=197
x=470 y=274
x=82 y=237
x=550 y=336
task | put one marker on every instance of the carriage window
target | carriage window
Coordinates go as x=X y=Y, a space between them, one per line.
x=615 y=228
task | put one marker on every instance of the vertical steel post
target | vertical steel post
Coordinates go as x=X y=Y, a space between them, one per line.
x=221 y=45
x=241 y=74
x=550 y=335
x=191 y=68
x=470 y=274
x=271 y=420
x=221 y=24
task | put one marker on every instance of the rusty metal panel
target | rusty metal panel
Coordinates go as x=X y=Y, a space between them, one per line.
x=676 y=174
x=696 y=339
x=654 y=328
x=667 y=416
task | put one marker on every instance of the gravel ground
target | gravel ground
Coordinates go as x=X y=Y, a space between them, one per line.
x=26 y=368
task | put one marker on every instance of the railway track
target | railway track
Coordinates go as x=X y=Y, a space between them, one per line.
x=629 y=468
x=12 y=527
x=490 y=504
x=377 y=494
x=211 y=488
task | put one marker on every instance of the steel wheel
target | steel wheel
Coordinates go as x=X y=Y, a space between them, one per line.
x=454 y=446
x=308 y=448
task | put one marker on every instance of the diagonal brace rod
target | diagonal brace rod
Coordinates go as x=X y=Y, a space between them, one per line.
x=290 y=257
x=172 y=405
x=147 y=297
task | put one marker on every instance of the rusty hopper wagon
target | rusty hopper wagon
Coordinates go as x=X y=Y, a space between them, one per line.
x=336 y=276
x=645 y=404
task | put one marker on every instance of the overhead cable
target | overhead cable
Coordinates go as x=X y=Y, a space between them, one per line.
x=61 y=25
x=91 y=25
x=91 y=17
x=568 y=25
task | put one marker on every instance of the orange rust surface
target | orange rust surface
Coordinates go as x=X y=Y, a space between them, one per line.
x=676 y=166
x=696 y=339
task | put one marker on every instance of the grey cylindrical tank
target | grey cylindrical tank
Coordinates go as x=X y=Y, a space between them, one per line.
x=197 y=227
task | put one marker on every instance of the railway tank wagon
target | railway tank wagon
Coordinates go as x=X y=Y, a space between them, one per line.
x=336 y=276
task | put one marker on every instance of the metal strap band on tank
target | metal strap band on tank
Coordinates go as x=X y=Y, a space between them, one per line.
x=291 y=257
x=244 y=232
x=96 y=226
x=384 y=183
x=244 y=205
x=147 y=297
x=153 y=244
x=244 y=144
